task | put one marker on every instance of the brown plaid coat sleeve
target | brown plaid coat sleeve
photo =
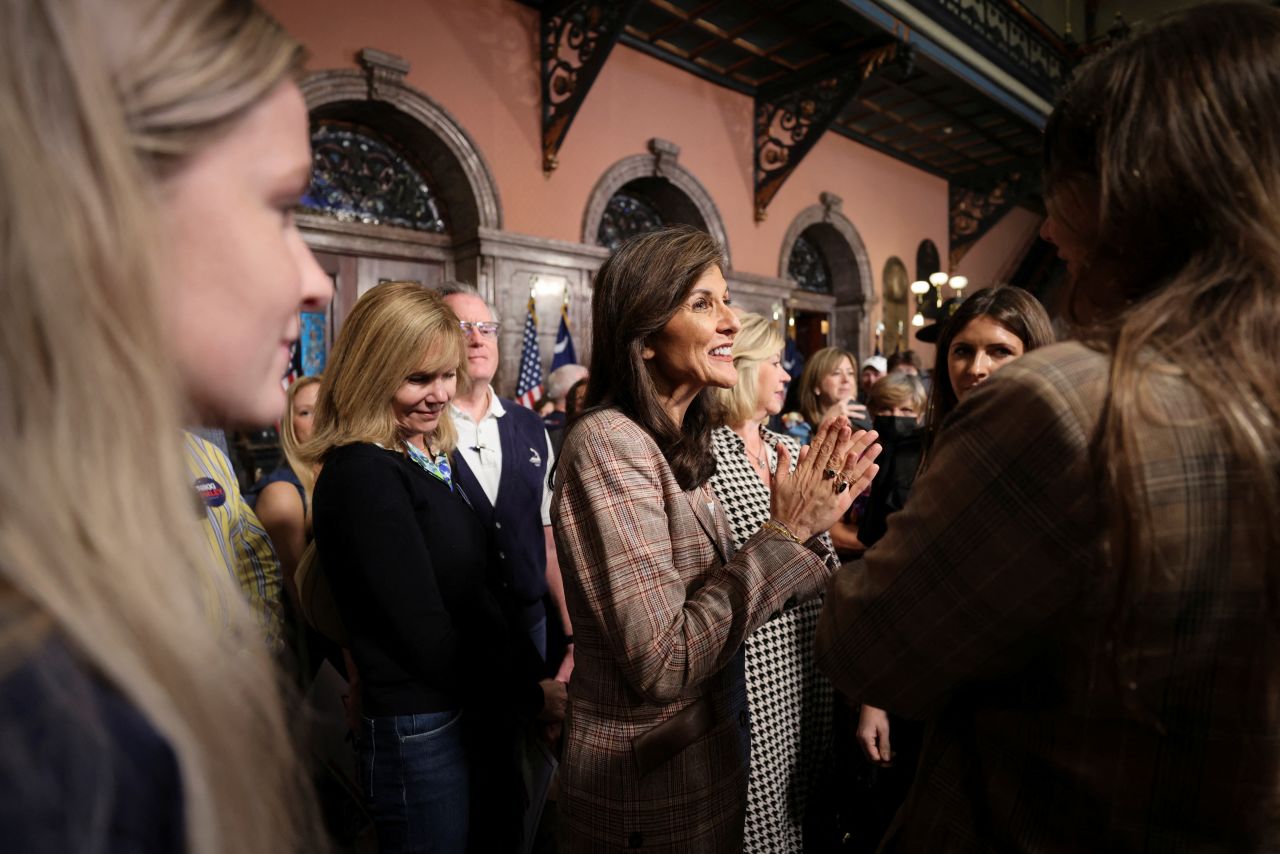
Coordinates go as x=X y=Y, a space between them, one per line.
x=660 y=610
x=987 y=608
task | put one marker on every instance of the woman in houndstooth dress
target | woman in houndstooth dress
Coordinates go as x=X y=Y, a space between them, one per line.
x=790 y=703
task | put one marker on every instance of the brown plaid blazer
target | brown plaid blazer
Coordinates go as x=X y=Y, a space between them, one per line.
x=986 y=609
x=660 y=608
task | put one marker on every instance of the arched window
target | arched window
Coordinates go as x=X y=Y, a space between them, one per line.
x=824 y=255
x=807 y=265
x=627 y=214
x=358 y=176
x=647 y=191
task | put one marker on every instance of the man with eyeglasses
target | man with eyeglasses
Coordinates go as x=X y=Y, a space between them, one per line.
x=503 y=459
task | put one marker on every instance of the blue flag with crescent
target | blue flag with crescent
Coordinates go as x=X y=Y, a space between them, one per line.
x=563 y=354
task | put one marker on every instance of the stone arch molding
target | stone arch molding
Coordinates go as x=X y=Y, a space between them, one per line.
x=855 y=295
x=380 y=94
x=662 y=161
x=829 y=211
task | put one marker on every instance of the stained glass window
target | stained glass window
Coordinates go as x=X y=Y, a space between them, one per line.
x=358 y=177
x=626 y=215
x=807 y=266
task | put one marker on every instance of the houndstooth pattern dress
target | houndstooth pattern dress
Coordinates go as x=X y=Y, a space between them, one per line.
x=790 y=702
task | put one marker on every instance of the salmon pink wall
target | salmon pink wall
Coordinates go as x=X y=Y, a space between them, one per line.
x=990 y=259
x=479 y=60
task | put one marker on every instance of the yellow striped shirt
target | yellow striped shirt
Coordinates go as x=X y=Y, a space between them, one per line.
x=235 y=537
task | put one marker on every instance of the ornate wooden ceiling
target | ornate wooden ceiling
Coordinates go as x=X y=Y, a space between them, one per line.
x=958 y=88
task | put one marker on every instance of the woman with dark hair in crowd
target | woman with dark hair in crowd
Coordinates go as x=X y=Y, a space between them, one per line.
x=656 y=753
x=990 y=329
x=446 y=679
x=790 y=704
x=1082 y=593
x=987 y=332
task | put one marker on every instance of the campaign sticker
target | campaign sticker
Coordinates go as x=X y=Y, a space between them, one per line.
x=210 y=492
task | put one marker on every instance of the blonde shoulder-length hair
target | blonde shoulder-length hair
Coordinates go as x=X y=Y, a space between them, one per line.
x=820 y=364
x=756 y=341
x=289 y=442
x=100 y=550
x=395 y=329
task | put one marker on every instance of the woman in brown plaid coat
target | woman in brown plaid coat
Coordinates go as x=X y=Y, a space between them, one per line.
x=656 y=751
x=1081 y=593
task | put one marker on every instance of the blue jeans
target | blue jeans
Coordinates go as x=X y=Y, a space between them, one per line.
x=538 y=634
x=414 y=777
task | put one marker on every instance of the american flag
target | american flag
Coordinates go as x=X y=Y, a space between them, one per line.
x=529 y=383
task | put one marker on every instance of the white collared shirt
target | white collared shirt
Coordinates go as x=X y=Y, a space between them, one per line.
x=481 y=447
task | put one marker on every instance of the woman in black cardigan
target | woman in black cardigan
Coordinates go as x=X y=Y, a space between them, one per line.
x=445 y=682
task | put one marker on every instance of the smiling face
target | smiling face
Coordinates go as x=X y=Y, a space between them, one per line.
x=421 y=399
x=695 y=348
x=239 y=271
x=304 y=408
x=482 y=349
x=838 y=385
x=771 y=387
x=978 y=351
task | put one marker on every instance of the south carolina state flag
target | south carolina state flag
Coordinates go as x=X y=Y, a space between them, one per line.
x=563 y=354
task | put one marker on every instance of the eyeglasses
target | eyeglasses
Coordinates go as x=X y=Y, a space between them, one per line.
x=486 y=328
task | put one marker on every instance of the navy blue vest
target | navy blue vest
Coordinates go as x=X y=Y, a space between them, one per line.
x=516 y=521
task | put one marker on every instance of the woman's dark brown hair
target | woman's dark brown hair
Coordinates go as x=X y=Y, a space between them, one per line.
x=1166 y=153
x=638 y=289
x=1015 y=310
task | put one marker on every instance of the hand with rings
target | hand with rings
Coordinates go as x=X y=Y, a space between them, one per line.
x=836 y=467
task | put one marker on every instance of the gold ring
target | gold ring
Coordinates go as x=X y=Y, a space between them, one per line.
x=842 y=486
x=827 y=474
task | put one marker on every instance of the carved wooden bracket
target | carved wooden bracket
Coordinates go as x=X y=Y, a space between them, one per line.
x=577 y=36
x=793 y=113
x=975 y=211
x=381 y=69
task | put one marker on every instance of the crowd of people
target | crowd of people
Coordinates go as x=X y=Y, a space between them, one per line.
x=1024 y=601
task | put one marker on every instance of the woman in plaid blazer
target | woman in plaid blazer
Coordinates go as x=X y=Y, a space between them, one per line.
x=657 y=734
x=1081 y=593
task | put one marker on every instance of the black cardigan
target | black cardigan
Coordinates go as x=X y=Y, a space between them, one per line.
x=415 y=579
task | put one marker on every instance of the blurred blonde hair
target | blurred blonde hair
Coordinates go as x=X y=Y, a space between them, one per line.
x=394 y=330
x=757 y=340
x=99 y=546
x=289 y=444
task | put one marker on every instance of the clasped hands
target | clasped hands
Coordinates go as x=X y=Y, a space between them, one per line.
x=834 y=468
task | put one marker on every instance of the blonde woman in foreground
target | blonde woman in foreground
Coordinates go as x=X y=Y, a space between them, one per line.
x=151 y=153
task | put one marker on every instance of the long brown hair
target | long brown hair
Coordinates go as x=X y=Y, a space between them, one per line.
x=1168 y=149
x=638 y=289
x=1015 y=310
